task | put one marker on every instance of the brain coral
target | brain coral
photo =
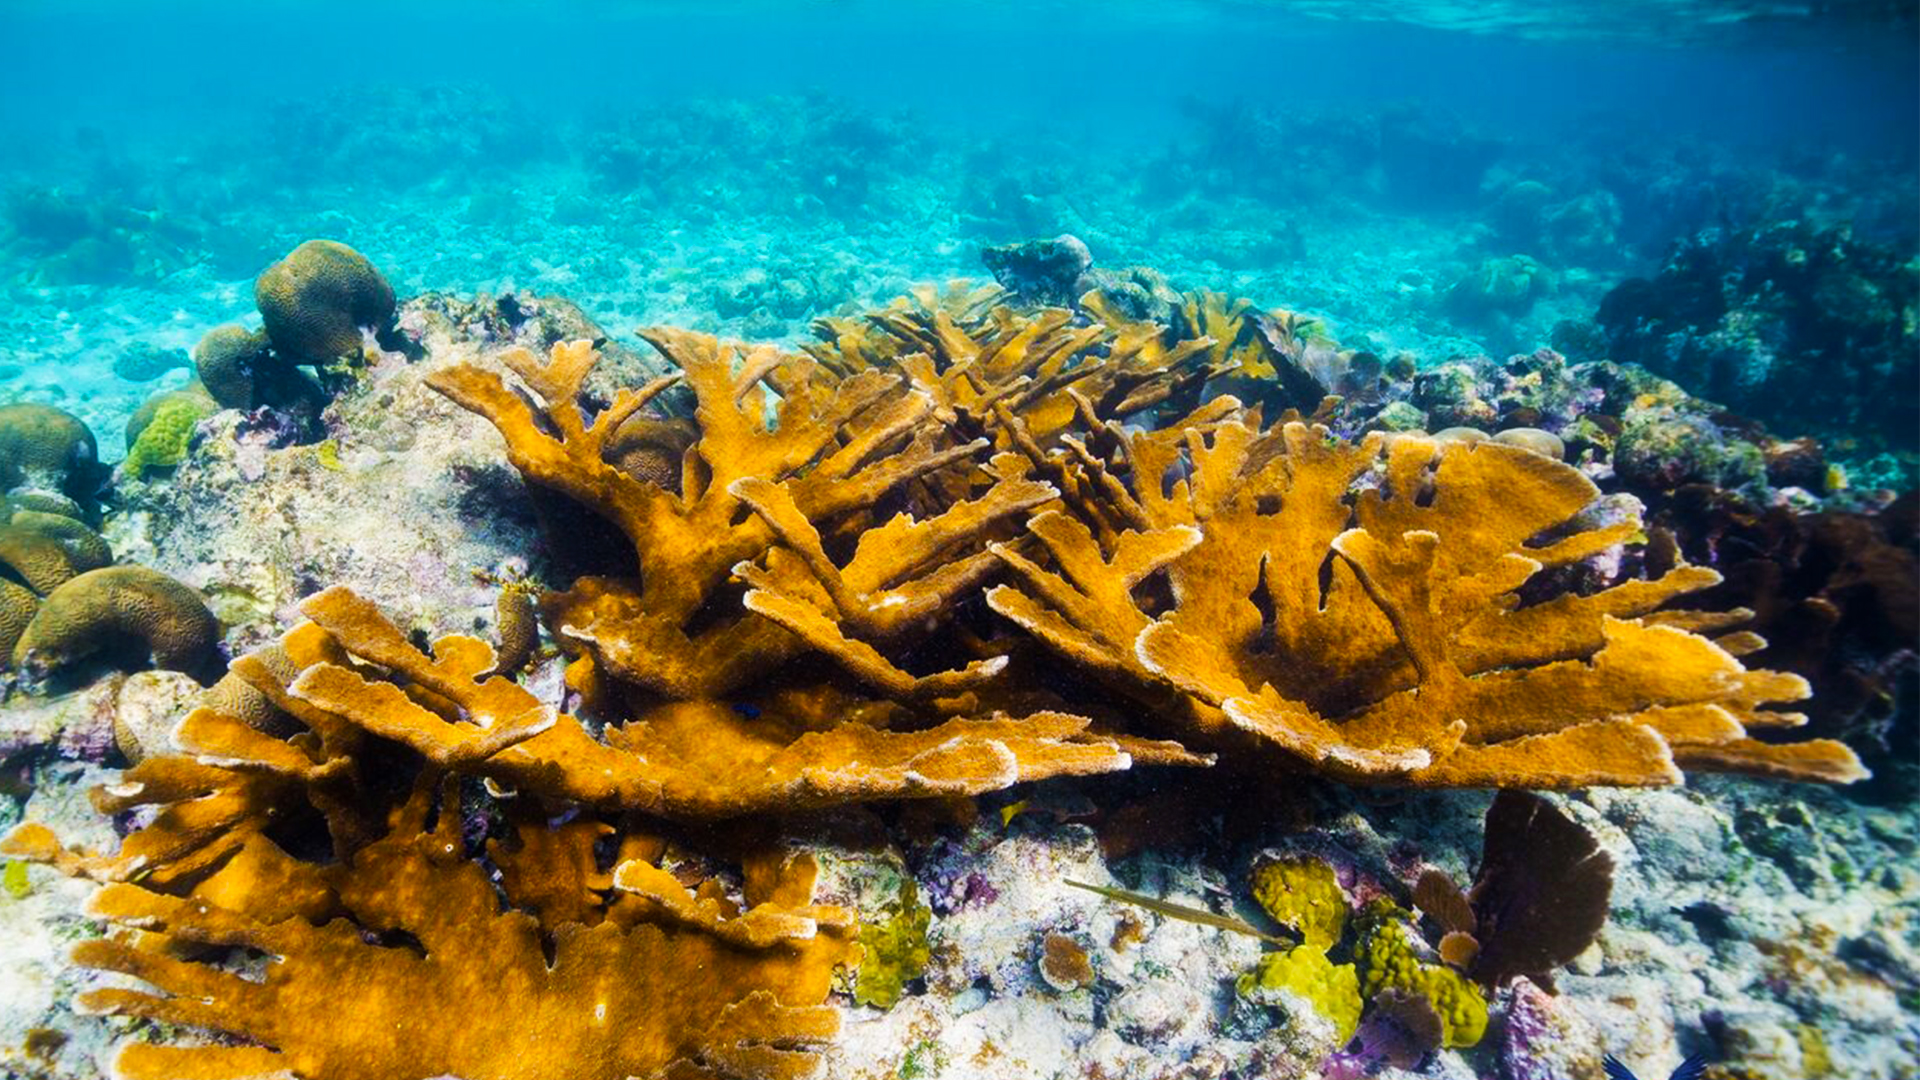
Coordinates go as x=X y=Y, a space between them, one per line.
x=42 y=563
x=316 y=300
x=165 y=437
x=39 y=552
x=86 y=549
x=230 y=360
x=46 y=448
x=96 y=609
x=194 y=391
x=17 y=605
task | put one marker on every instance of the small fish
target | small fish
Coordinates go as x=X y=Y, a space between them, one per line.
x=751 y=712
x=1690 y=1069
x=1013 y=810
x=1182 y=912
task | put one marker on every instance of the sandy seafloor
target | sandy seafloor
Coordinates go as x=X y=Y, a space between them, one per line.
x=1777 y=927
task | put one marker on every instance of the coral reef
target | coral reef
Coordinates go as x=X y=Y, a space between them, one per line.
x=1804 y=328
x=241 y=369
x=1391 y=662
x=954 y=545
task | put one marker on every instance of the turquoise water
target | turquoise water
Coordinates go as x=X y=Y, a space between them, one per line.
x=655 y=162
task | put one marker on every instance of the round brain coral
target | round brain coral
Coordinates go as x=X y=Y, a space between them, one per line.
x=42 y=563
x=104 y=607
x=46 y=448
x=230 y=360
x=47 y=502
x=86 y=549
x=315 y=301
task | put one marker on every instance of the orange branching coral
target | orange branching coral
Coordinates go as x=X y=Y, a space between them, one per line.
x=854 y=441
x=785 y=504
x=1357 y=606
x=215 y=803
x=1053 y=369
x=958 y=309
x=683 y=759
x=445 y=983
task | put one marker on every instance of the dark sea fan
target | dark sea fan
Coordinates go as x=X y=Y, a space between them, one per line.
x=1542 y=892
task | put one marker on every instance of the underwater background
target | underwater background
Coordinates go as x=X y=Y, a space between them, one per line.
x=1593 y=328
x=745 y=167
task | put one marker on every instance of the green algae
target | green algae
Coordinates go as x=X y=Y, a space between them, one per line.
x=14 y=880
x=894 y=949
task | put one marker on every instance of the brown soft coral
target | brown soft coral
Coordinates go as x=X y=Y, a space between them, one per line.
x=1381 y=637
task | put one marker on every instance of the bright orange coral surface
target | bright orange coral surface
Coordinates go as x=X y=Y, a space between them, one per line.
x=1270 y=592
x=423 y=975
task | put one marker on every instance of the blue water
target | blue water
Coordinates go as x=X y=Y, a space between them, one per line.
x=650 y=161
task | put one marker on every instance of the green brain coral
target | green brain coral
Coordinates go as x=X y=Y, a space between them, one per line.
x=1302 y=892
x=1305 y=973
x=163 y=442
x=894 y=950
x=42 y=563
x=315 y=301
x=102 y=607
x=1390 y=963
